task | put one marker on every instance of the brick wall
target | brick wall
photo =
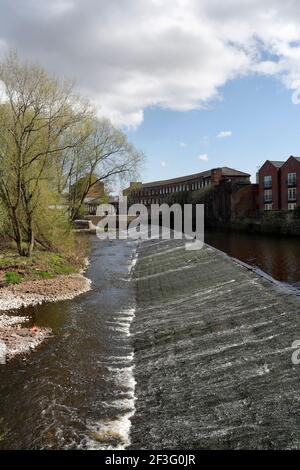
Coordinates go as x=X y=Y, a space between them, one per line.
x=245 y=202
x=290 y=166
x=268 y=169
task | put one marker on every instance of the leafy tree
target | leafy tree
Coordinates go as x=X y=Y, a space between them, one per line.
x=35 y=123
x=52 y=149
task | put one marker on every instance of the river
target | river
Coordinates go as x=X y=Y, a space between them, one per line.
x=77 y=390
x=278 y=256
x=187 y=350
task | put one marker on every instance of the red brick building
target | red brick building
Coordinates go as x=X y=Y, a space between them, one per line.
x=279 y=185
x=158 y=191
x=290 y=184
x=244 y=202
x=269 y=186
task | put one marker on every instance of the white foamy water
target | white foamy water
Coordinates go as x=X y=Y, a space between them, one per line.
x=114 y=434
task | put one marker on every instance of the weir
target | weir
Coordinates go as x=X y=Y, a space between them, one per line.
x=213 y=353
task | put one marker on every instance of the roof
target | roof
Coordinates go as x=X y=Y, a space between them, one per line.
x=204 y=174
x=276 y=163
x=92 y=200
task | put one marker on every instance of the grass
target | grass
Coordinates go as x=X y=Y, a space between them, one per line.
x=42 y=265
x=45 y=274
x=13 y=278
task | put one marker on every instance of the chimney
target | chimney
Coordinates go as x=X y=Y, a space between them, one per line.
x=216 y=175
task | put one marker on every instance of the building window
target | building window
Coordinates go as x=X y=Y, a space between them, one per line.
x=292 y=194
x=183 y=187
x=268 y=195
x=267 y=181
x=268 y=207
x=292 y=206
x=291 y=179
x=187 y=187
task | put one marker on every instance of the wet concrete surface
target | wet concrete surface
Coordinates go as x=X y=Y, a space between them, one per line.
x=213 y=354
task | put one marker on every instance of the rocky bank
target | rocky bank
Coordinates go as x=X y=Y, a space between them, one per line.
x=15 y=338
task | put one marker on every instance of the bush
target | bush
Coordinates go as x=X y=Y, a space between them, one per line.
x=13 y=278
x=296 y=213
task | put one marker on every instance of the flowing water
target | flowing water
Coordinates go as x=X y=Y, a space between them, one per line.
x=77 y=390
x=188 y=350
x=213 y=353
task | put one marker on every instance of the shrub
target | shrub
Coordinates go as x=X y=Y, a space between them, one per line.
x=13 y=278
x=296 y=213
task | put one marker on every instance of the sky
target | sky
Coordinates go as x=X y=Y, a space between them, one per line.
x=194 y=84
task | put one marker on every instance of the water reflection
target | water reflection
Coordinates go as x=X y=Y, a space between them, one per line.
x=277 y=256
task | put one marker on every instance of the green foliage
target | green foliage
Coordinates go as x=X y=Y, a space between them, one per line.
x=52 y=150
x=201 y=195
x=12 y=277
x=45 y=274
x=42 y=264
x=61 y=266
x=178 y=198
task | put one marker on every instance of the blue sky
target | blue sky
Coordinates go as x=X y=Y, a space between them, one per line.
x=259 y=112
x=171 y=71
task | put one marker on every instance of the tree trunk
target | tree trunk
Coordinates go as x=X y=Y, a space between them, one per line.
x=17 y=233
x=30 y=236
x=31 y=243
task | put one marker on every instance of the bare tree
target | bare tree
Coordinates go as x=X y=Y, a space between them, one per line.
x=103 y=155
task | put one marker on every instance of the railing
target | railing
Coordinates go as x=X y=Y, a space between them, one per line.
x=268 y=185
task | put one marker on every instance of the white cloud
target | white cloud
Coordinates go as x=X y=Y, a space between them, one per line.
x=175 y=54
x=203 y=157
x=182 y=144
x=224 y=134
x=163 y=164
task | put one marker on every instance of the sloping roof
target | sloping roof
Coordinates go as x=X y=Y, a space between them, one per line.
x=204 y=174
x=297 y=158
x=92 y=200
x=232 y=172
x=276 y=163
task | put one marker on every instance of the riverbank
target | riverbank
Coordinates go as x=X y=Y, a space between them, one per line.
x=19 y=339
x=270 y=223
x=24 y=282
x=77 y=390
